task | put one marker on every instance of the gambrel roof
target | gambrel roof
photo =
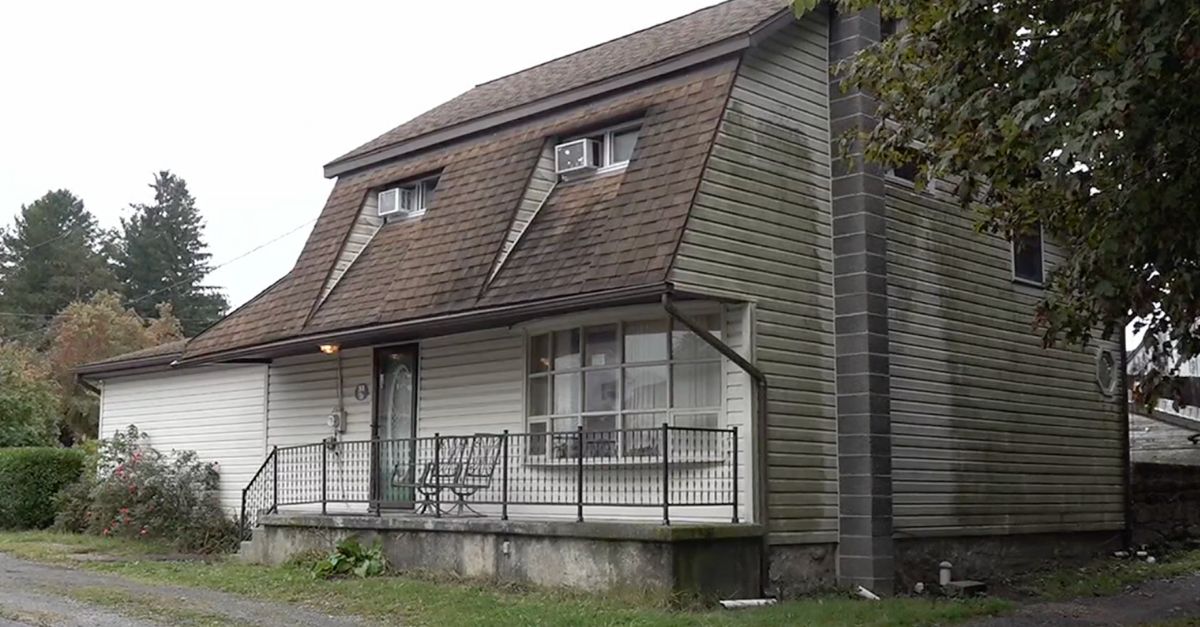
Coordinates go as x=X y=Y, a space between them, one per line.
x=613 y=234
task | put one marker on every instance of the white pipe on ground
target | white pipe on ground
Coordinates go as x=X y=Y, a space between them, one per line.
x=741 y=604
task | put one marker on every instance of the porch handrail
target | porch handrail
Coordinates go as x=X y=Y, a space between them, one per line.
x=255 y=494
x=672 y=468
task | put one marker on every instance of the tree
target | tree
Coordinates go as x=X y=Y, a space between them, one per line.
x=28 y=398
x=91 y=331
x=1079 y=115
x=162 y=257
x=52 y=255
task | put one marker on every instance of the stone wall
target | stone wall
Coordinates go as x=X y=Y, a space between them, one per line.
x=1166 y=503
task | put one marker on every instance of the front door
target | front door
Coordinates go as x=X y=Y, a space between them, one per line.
x=395 y=424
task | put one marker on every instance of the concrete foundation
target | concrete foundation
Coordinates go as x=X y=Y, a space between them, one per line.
x=1166 y=504
x=799 y=569
x=709 y=561
x=990 y=558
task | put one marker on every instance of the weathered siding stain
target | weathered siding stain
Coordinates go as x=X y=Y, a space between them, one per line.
x=991 y=432
x=760 y=231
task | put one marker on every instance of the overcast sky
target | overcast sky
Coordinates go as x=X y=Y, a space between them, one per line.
x=247 y=100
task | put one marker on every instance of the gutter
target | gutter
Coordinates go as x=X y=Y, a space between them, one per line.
x=157 y=362
x=87 y=385
x=442 y=324
x=759 y=431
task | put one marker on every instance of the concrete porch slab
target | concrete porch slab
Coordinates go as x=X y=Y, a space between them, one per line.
x=706 y=560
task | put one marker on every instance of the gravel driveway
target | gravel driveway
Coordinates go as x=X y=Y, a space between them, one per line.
x=1149 y=603
x=39 y=595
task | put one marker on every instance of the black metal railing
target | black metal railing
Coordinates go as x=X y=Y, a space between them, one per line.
x=506 y=474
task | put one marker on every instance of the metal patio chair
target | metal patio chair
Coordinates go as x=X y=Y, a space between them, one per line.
x=477 y=472
x=434 y=478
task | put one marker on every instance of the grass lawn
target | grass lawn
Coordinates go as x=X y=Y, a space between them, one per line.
x=443 y=602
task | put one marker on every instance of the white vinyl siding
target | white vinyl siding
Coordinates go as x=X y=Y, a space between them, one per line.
x=215 y=411
x=366 y=225
x=303 y=392
x=471 y=383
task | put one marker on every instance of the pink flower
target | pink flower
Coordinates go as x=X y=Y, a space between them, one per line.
x=144 y=531
x=105 y=532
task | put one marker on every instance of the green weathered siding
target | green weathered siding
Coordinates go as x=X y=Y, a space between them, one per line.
x=760 y=231
x=991 y=432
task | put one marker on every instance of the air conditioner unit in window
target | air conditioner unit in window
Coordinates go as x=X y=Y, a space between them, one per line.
x=576 y=156
x=389 y=202
x=396 y=201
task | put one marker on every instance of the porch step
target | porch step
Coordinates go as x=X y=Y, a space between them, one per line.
x=248 y=551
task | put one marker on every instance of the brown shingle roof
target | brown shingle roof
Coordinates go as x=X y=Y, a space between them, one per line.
x=626 y=54
x=604 y=233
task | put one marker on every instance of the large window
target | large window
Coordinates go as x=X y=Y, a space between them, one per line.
x=636 y=374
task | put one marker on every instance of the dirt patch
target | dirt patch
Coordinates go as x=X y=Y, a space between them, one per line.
x=1152 y=602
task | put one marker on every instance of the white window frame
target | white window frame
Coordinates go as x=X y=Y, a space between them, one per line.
x=420 y=197
x=620 y=321
x=1012 y=260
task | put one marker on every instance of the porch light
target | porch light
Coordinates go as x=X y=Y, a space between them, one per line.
x=330 y=349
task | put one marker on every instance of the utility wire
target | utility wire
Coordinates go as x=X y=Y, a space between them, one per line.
x=222 y=265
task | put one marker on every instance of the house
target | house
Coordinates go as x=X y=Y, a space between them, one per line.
x=700 y=350
x=1165 y=433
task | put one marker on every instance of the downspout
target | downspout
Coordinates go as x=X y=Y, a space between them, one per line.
x=1126 y=456
x=760 y=426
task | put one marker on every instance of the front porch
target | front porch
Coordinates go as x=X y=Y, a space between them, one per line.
x=656 y=509
x=656 y=475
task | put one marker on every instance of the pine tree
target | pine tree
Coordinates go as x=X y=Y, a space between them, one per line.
x=53 y=254
x=162 y=257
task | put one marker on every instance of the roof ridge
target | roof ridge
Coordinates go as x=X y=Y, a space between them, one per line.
x=604 y=43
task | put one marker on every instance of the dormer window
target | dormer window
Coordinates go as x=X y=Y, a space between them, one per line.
x=607 y=149
x=408 y=200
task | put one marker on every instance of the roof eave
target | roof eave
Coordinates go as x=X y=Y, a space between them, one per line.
x=724 y=48
x=130 y=366
x=438 y=325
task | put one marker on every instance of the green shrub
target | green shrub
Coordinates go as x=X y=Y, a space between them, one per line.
x=349 y=557
x=31 y=478
x=134 y=491
x=29 y=400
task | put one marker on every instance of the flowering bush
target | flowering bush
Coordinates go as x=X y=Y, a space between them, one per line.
x=134 y=491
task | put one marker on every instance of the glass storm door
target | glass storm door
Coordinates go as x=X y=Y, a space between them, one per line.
x=395 y=424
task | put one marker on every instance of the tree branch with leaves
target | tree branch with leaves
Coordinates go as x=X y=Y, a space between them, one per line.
x=1082 y=116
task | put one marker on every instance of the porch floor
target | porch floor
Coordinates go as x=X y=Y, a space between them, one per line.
x=636 y=530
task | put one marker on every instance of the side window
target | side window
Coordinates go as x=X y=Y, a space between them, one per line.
x=1027 y=257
